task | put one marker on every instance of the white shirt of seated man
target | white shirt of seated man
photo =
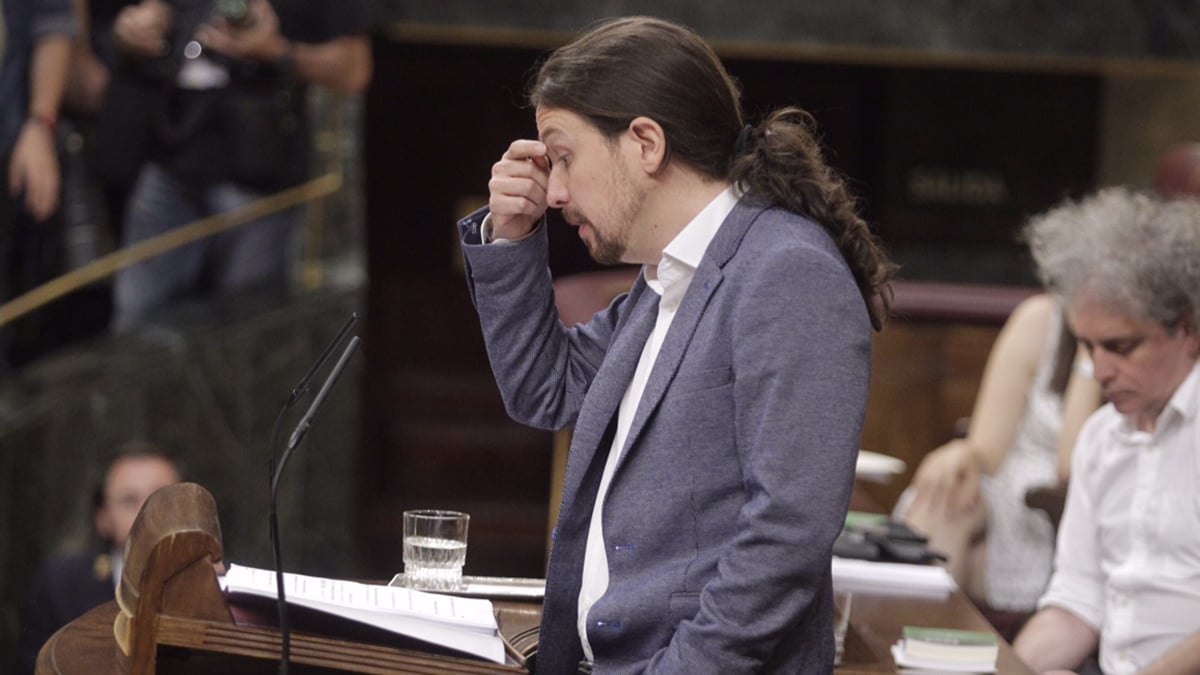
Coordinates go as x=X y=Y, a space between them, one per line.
x=1128 y=554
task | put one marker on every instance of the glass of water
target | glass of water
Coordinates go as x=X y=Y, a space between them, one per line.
x=435 y=548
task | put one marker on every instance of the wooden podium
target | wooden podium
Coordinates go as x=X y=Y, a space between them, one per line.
x=170 y=616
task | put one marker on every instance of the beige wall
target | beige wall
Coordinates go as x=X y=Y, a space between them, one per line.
x=1145 y=115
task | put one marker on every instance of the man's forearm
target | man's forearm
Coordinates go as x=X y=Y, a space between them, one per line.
x=1184 y=659
x=1055 y=639
x=527 y=347
x=48 y=76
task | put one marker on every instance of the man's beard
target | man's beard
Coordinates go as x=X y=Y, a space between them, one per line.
x=606 y=250
x=609 y=248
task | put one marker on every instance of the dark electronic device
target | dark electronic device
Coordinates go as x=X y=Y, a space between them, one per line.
x=884 y=542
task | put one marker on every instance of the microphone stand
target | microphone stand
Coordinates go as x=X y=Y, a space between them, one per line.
x=284 y=628
x=273 y=477
x=293 y=443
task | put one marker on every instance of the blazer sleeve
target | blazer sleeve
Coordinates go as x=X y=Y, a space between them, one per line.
x=542 y=368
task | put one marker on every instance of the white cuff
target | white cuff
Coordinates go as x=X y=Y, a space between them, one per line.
x=486 y=231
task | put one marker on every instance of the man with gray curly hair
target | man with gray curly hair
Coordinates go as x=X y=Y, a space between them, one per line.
x=1127 y=567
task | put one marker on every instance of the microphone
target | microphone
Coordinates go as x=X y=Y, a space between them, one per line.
x=306 y=421
x=275 y=470
x=302 y=388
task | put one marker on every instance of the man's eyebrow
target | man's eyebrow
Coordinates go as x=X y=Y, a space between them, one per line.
x=1117 y=340
x=550 y=134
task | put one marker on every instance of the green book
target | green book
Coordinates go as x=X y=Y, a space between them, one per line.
x=950 y=645
x=858 y=520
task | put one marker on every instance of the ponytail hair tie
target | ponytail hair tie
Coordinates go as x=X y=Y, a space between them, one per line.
x=743 y=140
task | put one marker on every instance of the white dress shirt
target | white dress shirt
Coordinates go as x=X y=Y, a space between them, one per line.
x=1128 y=555
x=670 y=281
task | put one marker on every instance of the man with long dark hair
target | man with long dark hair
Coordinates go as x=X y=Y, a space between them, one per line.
x=717 y=406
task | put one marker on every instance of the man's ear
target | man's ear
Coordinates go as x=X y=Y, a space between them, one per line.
x=1187 y=324
x=651 y=144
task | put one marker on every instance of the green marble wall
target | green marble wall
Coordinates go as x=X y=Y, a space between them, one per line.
x=206 y=382
x=1108 y=28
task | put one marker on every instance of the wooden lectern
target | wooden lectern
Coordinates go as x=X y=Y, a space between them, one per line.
x=170 y=616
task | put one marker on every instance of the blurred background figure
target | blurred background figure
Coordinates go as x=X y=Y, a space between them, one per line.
x=35 y=52
x=968 y=495
x=69 y=585
x=93 y=204
x=211 y=115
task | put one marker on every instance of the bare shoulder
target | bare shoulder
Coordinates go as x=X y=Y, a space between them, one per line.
x=1032 y=315
x=1027 y=329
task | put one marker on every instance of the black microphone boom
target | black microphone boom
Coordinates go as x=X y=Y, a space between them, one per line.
x=302 y=388
x=302 y=427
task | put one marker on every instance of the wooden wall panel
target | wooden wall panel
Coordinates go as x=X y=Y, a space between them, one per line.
x=923 y=381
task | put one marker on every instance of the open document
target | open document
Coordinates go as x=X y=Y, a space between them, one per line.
x=466 y=625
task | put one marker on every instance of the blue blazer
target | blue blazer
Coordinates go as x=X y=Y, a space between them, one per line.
x=736 y=475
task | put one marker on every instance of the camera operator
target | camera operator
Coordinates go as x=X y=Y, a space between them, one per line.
x=35 y=44
x=221 y=91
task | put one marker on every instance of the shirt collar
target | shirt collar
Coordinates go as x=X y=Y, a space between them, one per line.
x=1183 y=401
x=683 y=254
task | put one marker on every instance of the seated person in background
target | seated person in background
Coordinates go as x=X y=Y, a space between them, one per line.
x=1127 y=567
x=70 y=585
x=968 y=496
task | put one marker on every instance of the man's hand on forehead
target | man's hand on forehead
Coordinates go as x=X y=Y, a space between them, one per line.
x=518 y=188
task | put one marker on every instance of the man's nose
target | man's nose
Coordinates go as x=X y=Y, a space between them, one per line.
x=556 y=191
x=1103 y=367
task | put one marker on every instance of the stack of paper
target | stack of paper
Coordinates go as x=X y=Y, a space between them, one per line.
x=891 y=578
x=947 y=650
x=877 y=468
x=467 y=625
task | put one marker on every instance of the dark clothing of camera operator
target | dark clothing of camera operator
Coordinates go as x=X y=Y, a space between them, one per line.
x=226 y=111
x=35 y=39
x=35 y=48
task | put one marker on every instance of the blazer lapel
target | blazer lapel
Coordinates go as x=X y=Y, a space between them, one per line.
x=611 y=381
x=704 y=283
x=608 y=386
x=683 y=326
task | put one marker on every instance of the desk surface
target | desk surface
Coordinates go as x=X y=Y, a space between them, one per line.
x=877 y=620
x=86 y=645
